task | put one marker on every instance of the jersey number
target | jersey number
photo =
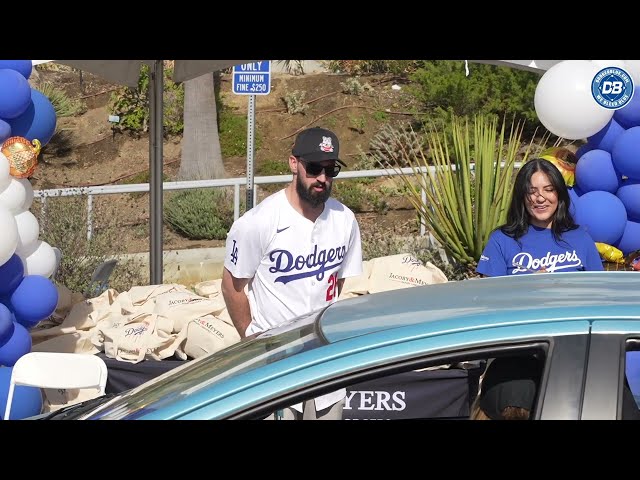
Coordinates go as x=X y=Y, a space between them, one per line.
x=333 y=287
x=234 y=253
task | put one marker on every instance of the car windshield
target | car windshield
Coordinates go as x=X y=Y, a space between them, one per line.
x=260 y=349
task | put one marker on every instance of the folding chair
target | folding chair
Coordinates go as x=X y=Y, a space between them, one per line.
x=100 y=278
x=57 y=370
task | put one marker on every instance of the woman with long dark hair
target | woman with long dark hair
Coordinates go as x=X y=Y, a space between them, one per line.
x=540 y=234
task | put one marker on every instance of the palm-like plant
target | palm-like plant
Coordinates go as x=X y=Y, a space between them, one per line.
x=466 y=173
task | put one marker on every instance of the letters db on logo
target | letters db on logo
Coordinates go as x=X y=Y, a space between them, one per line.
x=612 y=88
x=252 y=78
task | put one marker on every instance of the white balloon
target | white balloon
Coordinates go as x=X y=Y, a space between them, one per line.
x=40 y=259
x=9 y=236
x=564 y=102
x=28 y=230
x=28 y=192
x=4 y=171
x=14 y=195
x=633 y=69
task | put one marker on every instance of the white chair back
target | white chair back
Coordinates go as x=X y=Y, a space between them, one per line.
x=57 y=370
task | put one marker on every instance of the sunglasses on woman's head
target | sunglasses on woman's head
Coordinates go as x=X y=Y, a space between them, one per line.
x=316 y=169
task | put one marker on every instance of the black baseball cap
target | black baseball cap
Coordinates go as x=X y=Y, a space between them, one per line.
x=316 y=145
x=509 y=382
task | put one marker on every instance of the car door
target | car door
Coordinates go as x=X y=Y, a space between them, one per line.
x=605 y=379
x=349 y=362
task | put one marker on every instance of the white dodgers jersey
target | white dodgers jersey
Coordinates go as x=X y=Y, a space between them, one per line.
x=294 y=263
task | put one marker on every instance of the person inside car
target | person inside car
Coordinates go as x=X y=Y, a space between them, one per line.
x=508 y=390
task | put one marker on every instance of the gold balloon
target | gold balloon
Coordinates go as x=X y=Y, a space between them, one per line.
x=22 y=156
x=564 y=160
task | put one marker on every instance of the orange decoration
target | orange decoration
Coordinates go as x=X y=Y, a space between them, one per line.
x=22 y=156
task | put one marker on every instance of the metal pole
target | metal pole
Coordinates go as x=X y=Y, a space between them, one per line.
x=156 y=81
x=251 y=115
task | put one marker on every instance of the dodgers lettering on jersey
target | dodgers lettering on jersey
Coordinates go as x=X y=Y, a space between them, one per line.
x=283 y=262
x=524 y=261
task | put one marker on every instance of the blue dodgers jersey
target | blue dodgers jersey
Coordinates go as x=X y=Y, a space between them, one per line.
x=539 y=250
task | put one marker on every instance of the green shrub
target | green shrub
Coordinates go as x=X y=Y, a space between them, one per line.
x=295 y=102
x=63 y=224
x=132 y=105
x=352 y=86
x=200 y=214
x=368 y=67
x=380 y=116
x=442 y=87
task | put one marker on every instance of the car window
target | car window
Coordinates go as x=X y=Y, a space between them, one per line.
x=450 y=389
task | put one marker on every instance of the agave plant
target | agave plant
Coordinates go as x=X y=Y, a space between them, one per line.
x=466 y=173
x=292 y=67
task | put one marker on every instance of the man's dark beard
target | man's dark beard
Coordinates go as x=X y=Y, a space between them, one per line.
x=315 y=199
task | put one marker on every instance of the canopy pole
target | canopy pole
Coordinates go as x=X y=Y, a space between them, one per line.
x=156 y=86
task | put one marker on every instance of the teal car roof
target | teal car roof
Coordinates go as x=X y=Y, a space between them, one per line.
x=486 y=302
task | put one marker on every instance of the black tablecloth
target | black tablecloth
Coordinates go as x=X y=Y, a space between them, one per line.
x=124 y=375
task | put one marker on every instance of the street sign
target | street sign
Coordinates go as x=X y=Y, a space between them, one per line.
x=252 y=78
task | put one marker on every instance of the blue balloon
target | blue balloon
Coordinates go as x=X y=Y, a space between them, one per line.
x=24 y=67
x=629 y=195
x=15 y=94
x=35 y=299
x=632 y=368
x=5 y=130
x=11 y=273
x=630 y=241
x=583 y=149
x=18 y=345
x=27 y=401
x=625 y=153
x=629 y=115
x=595 y=171
x=6 y=324
x=38 y=120
x=603 y=215
x=574 y=194
x=605 y=138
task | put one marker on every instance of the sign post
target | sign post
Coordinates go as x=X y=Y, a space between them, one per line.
x=251 y=79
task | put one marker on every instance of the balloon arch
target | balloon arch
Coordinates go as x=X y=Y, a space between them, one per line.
x=27 y=295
